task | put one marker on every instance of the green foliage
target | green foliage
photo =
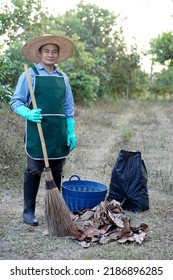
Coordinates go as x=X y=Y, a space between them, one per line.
x=100 y=66
x=92 y=24
x=115 y=68
x=162 y=49
x=128 y=79
x=5 y=93
x=5 y=89
x=83 y=80
x=162 y=83
x=85 y=86
x=21 y=20
x=11 y=66
x=13 y=62
x=126 y=132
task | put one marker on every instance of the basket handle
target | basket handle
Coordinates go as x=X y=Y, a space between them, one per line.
x=74 y=176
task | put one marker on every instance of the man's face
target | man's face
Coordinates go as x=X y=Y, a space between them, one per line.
x=48 y=54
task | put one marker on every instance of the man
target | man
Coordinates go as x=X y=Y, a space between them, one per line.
x=56 y=113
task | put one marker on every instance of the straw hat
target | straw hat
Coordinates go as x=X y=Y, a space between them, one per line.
x=30 y=49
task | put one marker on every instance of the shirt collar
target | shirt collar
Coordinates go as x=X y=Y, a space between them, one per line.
x=40 y=67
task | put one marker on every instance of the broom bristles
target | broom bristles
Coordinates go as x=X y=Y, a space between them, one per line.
x=57 y=215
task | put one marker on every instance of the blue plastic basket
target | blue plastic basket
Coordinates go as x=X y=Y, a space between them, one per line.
x=82 y=194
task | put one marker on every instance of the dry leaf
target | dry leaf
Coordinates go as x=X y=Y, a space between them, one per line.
x=116 y=219
x=143 y=226
x=95 y=239
x=131 y=238
x=114 y=236
x=85 y=244
x=45 y=233
x=127 y=227
x=139 y=238
x=122 y=239
x=104 y=240
x=105 y=223
x=89 y=233
x=87 y=215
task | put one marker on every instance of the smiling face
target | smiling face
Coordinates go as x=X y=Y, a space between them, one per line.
x=48 y=55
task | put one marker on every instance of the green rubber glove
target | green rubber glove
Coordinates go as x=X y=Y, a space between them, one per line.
x=71 y=138
x=31 y=115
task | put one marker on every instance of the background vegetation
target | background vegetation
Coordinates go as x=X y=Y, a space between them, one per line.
x=102 y=66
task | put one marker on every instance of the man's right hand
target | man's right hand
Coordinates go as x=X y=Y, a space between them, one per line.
x=31 y=115
x=34 y=115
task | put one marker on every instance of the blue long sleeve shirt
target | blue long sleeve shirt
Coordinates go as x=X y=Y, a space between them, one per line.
x=22 y=96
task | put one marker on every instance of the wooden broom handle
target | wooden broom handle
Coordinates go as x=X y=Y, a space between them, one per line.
x=40 y=131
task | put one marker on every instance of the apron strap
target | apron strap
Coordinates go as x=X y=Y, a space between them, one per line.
x=35 y=70
x=37 y=73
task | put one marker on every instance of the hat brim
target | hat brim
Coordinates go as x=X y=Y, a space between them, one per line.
x=30 y=49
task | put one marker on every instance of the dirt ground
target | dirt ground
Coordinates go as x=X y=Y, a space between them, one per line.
x=102 y=130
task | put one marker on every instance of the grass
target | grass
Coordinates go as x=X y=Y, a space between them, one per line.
x=126 y=132
x=102 y=130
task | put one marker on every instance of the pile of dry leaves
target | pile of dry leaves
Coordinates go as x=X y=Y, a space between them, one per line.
x=105 y=223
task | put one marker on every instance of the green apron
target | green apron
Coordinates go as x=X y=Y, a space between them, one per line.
x=49 y=93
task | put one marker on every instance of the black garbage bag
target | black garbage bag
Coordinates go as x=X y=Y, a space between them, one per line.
x=129 y=182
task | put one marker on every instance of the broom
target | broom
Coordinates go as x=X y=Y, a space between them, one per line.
x=57 y=216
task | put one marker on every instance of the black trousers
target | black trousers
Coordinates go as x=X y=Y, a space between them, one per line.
x=37 y=166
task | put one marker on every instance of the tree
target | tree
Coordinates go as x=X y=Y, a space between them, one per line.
x=5 y=89
x=162 y=84
x=162 y=49
x=79 y=68
x=97 y=28
x=100 y=66
x=21 y=20
x=93 y=25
